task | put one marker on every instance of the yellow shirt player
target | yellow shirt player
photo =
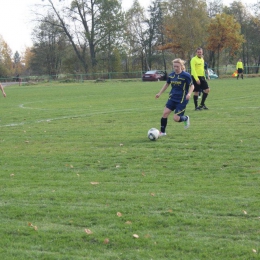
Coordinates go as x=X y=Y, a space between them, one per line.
x=240 y=69
x=199 y=80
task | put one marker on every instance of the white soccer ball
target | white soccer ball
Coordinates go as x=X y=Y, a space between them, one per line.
x=153 y=134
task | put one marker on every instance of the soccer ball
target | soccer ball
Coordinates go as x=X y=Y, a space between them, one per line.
x=153 y=134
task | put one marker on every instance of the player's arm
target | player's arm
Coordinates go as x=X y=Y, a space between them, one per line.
x=166 y=85
x=190 y=91
x=193 y=70
x=2 y=89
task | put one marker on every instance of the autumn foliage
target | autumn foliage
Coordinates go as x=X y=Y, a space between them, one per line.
x=224 y=33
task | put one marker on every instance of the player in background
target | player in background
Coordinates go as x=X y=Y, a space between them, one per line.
x=2 y=89
x=240 y=69
x=199 y=80
x=179 y=96
x=206 y=68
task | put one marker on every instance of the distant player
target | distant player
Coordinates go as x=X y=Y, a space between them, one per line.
x=2 y=89
x=179 y=96
x=206 y=68
x=199 y=80
x=240 y=69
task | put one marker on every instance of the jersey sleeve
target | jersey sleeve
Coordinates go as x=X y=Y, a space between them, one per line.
x=189 y=80
x=193 y=69
x=169 y=78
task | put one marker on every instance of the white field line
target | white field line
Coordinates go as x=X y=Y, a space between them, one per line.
x=22 y=106
x=246 y=107
x=72 y=116
x=96 y=113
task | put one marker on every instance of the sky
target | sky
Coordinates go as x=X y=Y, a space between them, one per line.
x=16 y=20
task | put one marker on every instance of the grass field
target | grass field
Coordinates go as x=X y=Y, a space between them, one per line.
x=81 y=180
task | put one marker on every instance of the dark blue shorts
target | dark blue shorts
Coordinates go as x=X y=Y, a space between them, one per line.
x=177 y=107
x=203 y=84
x=239 y=70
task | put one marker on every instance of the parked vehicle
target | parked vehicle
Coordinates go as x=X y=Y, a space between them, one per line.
x=212 y=74
x=154 y=75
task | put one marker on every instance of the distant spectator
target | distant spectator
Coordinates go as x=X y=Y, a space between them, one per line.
x=16 y=78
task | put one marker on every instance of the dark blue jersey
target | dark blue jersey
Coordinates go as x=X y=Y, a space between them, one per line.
x=180 y=84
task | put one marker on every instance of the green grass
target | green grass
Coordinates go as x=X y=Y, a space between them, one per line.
x=193 y=194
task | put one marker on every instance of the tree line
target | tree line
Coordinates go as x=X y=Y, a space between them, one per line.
x=94 y=36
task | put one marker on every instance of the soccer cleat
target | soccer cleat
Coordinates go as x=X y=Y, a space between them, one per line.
x=187 y=123
x=203 y=107
x=197 y=109
x=162 y=134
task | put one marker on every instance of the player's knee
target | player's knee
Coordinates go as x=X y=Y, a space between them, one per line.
x=165 y=114
x=176 y=118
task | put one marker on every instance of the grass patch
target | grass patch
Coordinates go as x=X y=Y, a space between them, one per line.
x=74 y=156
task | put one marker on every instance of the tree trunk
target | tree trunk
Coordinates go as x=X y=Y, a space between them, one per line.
x=218 y=61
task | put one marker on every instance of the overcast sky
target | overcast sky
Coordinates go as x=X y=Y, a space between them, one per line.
x=16 y=20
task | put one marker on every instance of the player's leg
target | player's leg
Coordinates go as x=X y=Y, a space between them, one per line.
x=196 y=93
x=164 y=120
x=240 y=72
x=195 y=100
x=206 y=89
x=179 y=115
x=200 y=93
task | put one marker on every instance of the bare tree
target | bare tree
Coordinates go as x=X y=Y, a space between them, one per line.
x=135 y=34
x=49 y=45
x=85 y=24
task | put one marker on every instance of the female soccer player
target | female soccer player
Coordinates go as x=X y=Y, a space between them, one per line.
x=182 y=88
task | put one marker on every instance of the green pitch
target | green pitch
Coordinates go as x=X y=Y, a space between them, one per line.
x=81 y=180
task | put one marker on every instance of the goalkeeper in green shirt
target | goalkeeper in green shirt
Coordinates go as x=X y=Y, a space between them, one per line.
x=199 y=79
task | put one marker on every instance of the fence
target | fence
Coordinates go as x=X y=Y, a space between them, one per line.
x=77 y=77
x=223 y=71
